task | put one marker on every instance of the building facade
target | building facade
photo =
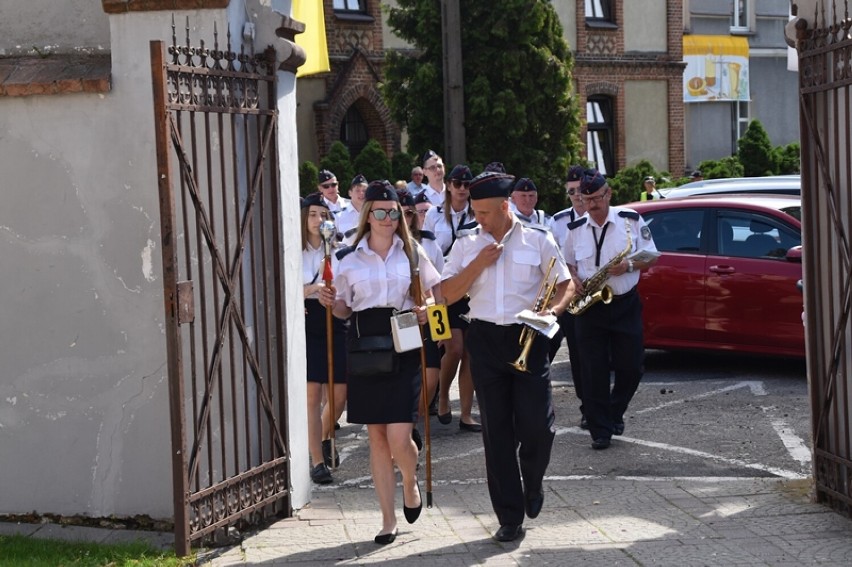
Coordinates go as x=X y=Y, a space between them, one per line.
x=713 y=126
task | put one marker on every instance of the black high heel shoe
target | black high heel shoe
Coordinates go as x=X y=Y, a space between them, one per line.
x=411 y=514
x=384 y=539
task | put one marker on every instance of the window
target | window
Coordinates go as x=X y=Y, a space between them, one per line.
x=753 y=235
x=739 y=123
x=600 y=137
x=353 y=131
x=676 y=230
x=741 y=15
x=350 y=6
x=600 y=10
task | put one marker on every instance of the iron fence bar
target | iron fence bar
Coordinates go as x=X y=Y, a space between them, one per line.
x=170 y=272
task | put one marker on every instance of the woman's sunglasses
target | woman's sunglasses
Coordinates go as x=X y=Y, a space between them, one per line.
x=382 y=214
x=459 y=183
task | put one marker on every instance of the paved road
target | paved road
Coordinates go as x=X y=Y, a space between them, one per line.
x=694 y=415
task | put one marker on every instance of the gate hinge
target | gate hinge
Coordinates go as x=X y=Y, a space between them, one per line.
x=185 y=304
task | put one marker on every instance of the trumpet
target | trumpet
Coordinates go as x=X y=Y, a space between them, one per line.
x=528 y=334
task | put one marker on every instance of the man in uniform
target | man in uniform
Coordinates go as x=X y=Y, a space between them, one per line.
x=434 y=167
x=347 y=219
x=502 y=265
x=609 y=335
x=523 y=201
x=328 y=187
x=559 y=228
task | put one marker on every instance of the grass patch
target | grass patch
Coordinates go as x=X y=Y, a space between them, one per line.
x=22 y=551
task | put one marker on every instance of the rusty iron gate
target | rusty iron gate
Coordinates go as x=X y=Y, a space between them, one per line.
x=215 y=123
x=825 y=79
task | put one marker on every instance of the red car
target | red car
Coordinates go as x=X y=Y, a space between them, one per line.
x=727 y=276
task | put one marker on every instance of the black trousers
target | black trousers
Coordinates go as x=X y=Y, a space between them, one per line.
x=610 y=337
x=566 y=325
x=516 y=410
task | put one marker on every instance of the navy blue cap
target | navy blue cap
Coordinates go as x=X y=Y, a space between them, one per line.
x=358 y=180
x=325 y=175
x=491 y=184
x=405 y=198
x=461 y=172
x=422 y=198
x=314 y=199
x=575 y=173
x=592 y=181
x=525 y=184
x=696 y=173
x=381 y=190
x=428 y=155
x=495 y=166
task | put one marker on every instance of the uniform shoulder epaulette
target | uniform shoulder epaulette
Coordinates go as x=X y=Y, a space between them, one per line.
x=577 y=223
x=343 y=252
x=629 y=215
x=538 y=227
x=427 y=234
x=471 y=229
x=563 y=214
x=468 y=226
x=350 y=232
x=440 y=208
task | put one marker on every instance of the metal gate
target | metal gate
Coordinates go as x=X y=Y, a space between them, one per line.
x=825 y=79
x=215 y=119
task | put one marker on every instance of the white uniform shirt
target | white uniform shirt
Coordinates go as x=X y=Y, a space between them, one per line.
x=435 y=197
x=347 y=223
x=580 y=246
x=436 y=222
x=365 y=280
x=312 y=265
x=434 y=253
x=559 y=224
x=415 y=188
x=511 y=284
x=337 y=207
x=538 y=219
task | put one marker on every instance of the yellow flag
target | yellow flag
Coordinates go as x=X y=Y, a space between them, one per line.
x=313 y=40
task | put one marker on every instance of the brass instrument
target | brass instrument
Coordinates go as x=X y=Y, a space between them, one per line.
x=528 y=334
x=594 y=287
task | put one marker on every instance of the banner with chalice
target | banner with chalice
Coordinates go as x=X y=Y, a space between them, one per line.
x=716 y=68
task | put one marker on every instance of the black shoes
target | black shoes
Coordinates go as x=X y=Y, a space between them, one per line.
x=533 y=501
x=618 y=428
x=584 y=423
x=509 y=532
x=384 y=539
x=321 y=475
x=600 y=443
x=326 y=455
x=418 y=441
x=472 y=427
x=445 y=418
x=411 y=514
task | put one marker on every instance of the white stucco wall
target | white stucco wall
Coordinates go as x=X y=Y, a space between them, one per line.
x=49 y=26
x=84 y=413
x=646 y=106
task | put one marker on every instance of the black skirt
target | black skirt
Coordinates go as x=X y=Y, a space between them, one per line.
x=316 y=341
x=391 y=398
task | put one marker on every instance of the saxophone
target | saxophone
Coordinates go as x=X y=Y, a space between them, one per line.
x=594 y=287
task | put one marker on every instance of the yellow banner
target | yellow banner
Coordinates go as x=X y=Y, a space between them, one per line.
x=313 y=41
x=716 y=68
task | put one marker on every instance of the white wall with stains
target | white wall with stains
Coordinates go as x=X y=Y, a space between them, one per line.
x=84 y=413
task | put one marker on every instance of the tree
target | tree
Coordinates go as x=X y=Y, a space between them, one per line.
x=519 y=103
x=373 y=162
x=787 y=159
x=717 y=169
x=308 y=178
x=339 y=163
x=627 y=183
x=754 y=150
x=401 y=165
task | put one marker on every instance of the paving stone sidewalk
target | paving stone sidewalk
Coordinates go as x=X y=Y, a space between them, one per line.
x=585 y=521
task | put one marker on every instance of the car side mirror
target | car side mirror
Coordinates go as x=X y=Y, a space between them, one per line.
x=794 y=254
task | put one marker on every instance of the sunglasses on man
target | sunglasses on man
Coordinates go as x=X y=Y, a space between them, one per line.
x=328 y=185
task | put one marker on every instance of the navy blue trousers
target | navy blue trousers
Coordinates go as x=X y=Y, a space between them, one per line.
x=516 y=410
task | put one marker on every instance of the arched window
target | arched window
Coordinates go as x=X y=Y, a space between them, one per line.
x=353 y=131
x=600 y=137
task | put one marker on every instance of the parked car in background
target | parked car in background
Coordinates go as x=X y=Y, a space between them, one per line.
x=726 y=279
x=775 y=185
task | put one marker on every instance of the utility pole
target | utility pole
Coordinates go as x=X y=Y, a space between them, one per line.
x=454 y=133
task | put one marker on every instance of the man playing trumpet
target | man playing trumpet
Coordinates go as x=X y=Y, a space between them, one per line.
x=502 y=266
